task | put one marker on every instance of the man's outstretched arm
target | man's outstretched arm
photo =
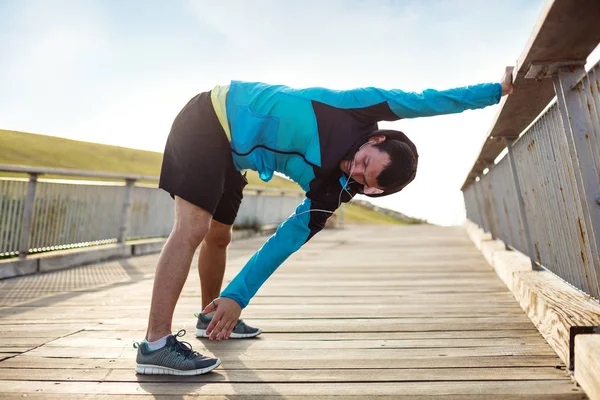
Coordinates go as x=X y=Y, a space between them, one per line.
x=373 y=104
x=433 y=102
x=288 y=238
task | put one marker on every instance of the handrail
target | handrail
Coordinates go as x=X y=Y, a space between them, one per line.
x=32 y=170
x=543 y=198
x=566 y=34
x=27 y=169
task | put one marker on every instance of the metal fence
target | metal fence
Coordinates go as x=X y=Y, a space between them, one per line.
x=543 y=198
x=48 y=214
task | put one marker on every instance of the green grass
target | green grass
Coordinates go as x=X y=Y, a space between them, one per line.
x=357 y=214
x=20 y=148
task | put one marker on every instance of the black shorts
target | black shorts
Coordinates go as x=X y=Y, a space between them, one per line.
x=197 y=164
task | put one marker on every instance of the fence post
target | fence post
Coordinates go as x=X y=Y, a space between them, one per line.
x=520 y=202
x=479 y=214
x=485 y=219
x=258 y=209
x=28 y=216
x=280 y=215
x=582 y=150
x=126 y=211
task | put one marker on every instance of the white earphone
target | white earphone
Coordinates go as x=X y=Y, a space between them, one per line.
x=369 y=190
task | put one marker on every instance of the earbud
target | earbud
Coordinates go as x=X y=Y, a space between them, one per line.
x=369 y=190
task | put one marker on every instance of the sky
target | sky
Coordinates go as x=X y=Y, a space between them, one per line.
x=118 y=71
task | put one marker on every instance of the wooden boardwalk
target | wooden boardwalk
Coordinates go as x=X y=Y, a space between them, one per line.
x=371 y=312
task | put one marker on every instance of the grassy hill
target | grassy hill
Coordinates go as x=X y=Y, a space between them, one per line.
x=19 y=148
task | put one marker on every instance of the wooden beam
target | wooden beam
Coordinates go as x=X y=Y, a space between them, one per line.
x=554 y=307
x=587 y=364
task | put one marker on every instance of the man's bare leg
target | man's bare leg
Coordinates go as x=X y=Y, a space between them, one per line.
x=211 y=266
x=212 y=260
x=190 y=228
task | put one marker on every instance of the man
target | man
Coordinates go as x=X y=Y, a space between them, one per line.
x=325 y=140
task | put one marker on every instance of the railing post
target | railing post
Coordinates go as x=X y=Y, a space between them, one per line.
x=126 y=211
x=582 y=150
x=521 y=202
x=28 y=216
x=479 y=213
x=280 y=215
x=485 y=219
x=258 y=209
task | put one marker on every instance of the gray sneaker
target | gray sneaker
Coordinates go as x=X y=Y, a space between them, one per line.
x=175 y=358
x=241 y=330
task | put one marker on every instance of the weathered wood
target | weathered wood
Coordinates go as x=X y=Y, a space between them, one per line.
x=587 y=364
x=564 y=388
x=393 y=323
x=566 y=30
x=487 y=396
x=5 y=356
x=355 y=354
x=305 y=375
x=553 y=306
x=15 y=349
x=338 y=336
x=435 y=321
x=440 y=361
x=271 y=344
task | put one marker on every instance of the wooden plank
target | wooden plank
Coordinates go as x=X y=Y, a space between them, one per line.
x=317 y=312
x=312 y=336
x=356 y=354
x=564 y=389
x=496 y=299
x=512 y=322
x=456 y=284
x=70 y=396
x=306 y=375
x=341 y=325
x=587 y=364
x=271 y=344
x=545 y=298
x=277 y=309
x=438 y=361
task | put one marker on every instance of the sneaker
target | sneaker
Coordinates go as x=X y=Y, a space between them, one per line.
x=241 y=330
x=175 y=358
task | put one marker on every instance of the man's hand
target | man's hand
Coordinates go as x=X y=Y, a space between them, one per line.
x=507 y=81
x=226 y=316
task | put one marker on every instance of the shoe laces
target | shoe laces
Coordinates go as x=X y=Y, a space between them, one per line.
x=183 y=348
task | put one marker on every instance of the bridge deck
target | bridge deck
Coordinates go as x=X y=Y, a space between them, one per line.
x=372 y=312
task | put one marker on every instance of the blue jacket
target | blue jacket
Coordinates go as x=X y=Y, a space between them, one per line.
x=304 y=134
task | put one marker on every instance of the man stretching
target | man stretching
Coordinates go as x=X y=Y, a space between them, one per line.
x=326 y=140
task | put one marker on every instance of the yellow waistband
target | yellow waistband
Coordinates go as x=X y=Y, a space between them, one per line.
x=218 y=96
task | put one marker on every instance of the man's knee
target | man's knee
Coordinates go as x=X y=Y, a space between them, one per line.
x=219 y=235
x=191 y=222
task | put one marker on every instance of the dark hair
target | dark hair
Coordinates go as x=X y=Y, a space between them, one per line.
x=402 y=167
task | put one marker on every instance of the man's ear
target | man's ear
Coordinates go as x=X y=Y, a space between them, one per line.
x=377 y=139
